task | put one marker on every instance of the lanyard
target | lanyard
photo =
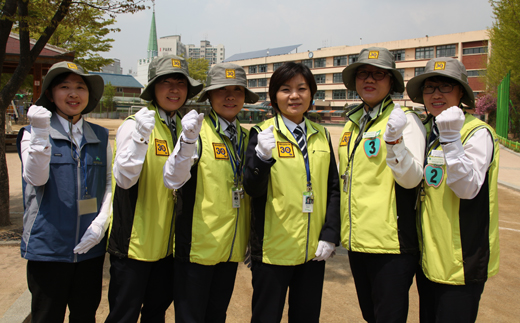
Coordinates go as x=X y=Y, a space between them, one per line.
x=234 y=157
x=77 y=157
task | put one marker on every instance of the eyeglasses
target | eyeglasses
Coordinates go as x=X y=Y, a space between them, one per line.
x=443 y=88
x=377 y=75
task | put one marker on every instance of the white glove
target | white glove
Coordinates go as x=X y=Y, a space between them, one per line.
x=39 y=117
x=325 y=250
x=265 y=144
x=450 y=123
x=191 y=124
x=91 y=237
x=395 y=125
x=144 y=124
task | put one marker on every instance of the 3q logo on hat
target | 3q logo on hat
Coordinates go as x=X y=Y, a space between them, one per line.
x=176 y=63
x=72 y=65
x=230 y=74
x=439 y=66
x=373 y=54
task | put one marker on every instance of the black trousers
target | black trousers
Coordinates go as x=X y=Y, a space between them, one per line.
x=139 y=287
x=447 y=303
x=202 y=293
x=382 y=284
x=56 y=285
x=270 y=284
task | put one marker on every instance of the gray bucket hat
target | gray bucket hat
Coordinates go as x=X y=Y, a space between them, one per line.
x=95 y=84
x=225 y=74
x=169 y=64
x=442 y=66
x=378 y=57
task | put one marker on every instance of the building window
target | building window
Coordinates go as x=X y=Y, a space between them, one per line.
x=352 y=95
x=352 y=59
x=320 y=95
x=398 y=55
x=397 y=95
x=320 y=78
x=262 y=96
x=252 y=69
x=475 y=50
x=339 y=94
x=340 y=60
x=476 y=73
x=419 y=70
x=262 y=82
x=307 y=62
x=424 y=53
x=262 y=68
x=401 y=70
x=276 y=66
x=119 y=89
x=337 y=78
x=320 y=62
x=251 y=83
x=446 y=51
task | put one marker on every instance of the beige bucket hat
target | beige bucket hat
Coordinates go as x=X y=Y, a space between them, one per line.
x=95 y=84
x=442 y=66
x=226 y=74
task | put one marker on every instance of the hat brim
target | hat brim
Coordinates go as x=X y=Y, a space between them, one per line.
x=95 y=84
x=194 y=88
x=349 y=76
x=250 y=96
x=413 y=88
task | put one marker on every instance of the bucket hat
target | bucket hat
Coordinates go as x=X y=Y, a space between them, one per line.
x=442 y=66
x=226 y=74
x=95 y=84
x=378 y=57
x=169 y=64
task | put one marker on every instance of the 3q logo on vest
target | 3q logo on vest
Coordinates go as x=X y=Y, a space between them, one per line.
x=161 y=148
x=220 y=151
x=285 y=149
x=345 y=139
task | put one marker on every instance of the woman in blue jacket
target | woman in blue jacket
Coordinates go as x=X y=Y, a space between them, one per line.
x=67 y=192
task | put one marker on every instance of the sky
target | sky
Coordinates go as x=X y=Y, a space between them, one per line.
x=244 y=25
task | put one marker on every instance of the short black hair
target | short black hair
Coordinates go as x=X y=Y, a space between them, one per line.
x=286 y=72
x=175 y=76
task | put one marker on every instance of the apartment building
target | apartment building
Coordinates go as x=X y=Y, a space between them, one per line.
x=327 y=64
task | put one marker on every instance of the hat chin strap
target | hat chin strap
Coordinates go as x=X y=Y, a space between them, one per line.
x=69 y=117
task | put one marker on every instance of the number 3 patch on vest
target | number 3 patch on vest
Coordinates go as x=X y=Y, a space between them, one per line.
x=285 y=149
x=161 y=148
x=220 y=151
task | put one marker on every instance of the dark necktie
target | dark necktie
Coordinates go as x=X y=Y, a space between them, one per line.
x=300 y=138
x=173 y=129
x=232 y=134
x=362 y=124
x=434 y=134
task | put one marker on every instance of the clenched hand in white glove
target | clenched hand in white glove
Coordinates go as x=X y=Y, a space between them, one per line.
x=91 y=237
x=39 y=117
x=265 y=144
x=395 y=125
x=450 y=122
x=325 y=250
x=191 y=124
x=144 y=124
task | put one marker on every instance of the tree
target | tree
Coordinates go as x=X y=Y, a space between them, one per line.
x=505 y=39
x=198 y=69
x=51 y=13
x=108 y=97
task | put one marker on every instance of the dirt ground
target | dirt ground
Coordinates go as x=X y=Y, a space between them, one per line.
x=499 y=302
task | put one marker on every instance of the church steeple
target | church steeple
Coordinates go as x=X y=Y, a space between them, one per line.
x=153 y=49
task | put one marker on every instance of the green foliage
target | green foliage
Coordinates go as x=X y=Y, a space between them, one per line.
x=314 y=116
x=504 y=36
x=198 y=69
x=108 y=97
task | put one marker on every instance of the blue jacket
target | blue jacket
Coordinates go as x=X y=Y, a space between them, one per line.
x=52 y=226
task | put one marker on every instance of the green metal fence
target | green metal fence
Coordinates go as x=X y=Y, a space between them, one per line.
x=502 y=124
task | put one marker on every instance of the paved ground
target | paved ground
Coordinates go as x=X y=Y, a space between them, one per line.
x=499 y=302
